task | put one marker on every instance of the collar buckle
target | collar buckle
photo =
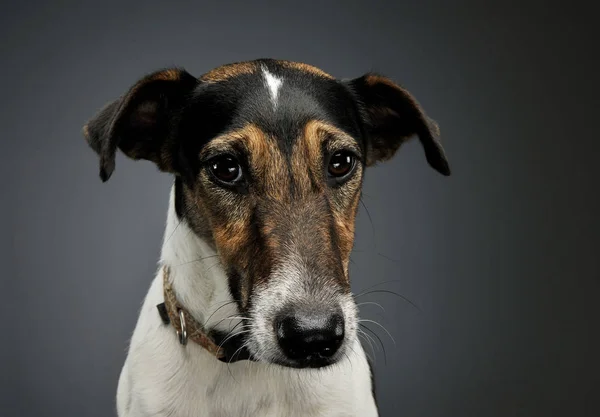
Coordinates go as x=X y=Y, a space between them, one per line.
x=182 y=332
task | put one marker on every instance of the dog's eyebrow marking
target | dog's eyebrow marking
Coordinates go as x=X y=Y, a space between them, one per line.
x=273 y=84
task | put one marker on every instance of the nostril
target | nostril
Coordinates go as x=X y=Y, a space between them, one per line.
x=310 y=336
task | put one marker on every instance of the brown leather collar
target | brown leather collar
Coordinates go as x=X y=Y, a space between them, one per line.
x=223 y=347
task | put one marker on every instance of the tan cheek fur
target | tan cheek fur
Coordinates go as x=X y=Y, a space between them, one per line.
x=345 y=224
x=307 y=157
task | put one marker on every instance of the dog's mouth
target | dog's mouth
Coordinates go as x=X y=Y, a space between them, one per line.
x=308 y=361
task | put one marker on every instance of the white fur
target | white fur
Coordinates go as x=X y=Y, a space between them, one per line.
x=162 y=378
x=273 y=84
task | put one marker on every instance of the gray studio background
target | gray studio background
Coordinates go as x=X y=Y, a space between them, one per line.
x=502 y=257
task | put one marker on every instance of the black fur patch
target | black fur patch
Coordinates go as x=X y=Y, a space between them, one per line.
x=231 y=345
x=180 y=205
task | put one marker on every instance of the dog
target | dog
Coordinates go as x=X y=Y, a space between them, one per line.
x=251 y=311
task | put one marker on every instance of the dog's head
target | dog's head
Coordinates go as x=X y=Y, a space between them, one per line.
x=269 y=158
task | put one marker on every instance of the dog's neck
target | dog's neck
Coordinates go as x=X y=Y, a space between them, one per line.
x=197 y=277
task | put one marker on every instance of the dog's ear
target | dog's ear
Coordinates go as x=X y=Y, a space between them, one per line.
x=140 y=123
x=392 y=116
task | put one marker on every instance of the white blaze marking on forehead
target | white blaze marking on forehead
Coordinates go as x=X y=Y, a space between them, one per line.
x=273 y=84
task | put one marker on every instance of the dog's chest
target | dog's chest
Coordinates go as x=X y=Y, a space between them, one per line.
x=241 y=390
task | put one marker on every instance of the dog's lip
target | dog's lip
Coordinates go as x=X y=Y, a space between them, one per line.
x=307 y=363
x=310 y=363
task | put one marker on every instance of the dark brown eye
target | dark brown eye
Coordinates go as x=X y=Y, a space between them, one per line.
x=340 y=164
x=225 y=168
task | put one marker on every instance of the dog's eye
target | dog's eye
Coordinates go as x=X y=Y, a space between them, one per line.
x=340 y=164
x=225 y=168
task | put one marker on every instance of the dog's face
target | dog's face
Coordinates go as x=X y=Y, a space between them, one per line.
x=269 y=158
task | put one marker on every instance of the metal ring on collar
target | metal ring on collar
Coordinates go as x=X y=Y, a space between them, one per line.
x=182 y=334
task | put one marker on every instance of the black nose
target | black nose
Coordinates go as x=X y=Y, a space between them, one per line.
x=310 y=338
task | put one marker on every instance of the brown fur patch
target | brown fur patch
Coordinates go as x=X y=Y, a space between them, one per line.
x=306 y=160
x=373 y=79
x=345 y=226
x=232 y=235
x=337 y=137
x=172 y=74
x=225 y=72
x=268 y=163
x=305 y=68
x=86 y=132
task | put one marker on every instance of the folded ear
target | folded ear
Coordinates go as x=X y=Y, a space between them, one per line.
x=141 y=122
x=392 y=116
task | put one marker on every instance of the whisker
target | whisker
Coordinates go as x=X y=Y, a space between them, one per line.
x=238 y=317
x=235 y=327
x=230 y=334
x=196 y=260
x=349 y=360
x=231 y=318
x=222 y=303
x=387 y=257
x=354 y=351
x=383 y=255
x=212 y=266
x=226 y=303
x=370 y=302
x=234 y=353
x=185 y=213
x=376 y=285
x=364 y=336
x=370 y=220
x=380 y=342
x=380 y=325
x=234 y=335
x=368 y=338
x=233 y=356
x=394 y=293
